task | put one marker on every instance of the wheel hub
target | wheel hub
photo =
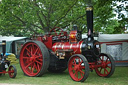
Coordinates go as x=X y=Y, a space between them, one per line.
x=32 y=58
x=76 y=68
x=104 y=65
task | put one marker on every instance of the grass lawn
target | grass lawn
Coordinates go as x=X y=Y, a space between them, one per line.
x=120 y=77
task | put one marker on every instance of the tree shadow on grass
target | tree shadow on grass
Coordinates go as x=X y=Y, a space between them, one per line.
x=65 y=73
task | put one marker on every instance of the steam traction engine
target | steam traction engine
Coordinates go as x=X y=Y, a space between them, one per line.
x=55 y=51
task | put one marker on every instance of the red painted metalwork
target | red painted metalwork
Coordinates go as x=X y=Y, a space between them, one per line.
x=62 y=48
x=31 y=59
x=73 y=36
x=47 y=41
x=76 y=47
x=75 y=69
x=3 y=72
x=4 y=63
x=55 y=29
x=123 y=61
x=114 y=42
x=78 y=68
x=12 y=71
x=103 y=66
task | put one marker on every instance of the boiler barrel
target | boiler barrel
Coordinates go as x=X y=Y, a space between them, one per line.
x=76 y=47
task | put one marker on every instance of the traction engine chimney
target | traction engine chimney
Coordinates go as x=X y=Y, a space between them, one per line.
x=89 y=16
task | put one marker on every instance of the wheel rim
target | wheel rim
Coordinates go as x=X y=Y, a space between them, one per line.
x=76 y=68
x=31 y=59
x=105 y=66
x=11 y=71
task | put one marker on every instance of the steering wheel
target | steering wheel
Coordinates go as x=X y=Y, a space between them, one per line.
x=55 y=29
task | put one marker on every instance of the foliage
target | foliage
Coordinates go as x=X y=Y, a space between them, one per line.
x=122 y=11
x=27 y=17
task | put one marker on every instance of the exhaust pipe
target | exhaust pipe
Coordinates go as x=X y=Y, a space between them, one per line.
x=89 y=16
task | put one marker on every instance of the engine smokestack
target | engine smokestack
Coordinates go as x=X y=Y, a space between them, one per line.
x=89 y=16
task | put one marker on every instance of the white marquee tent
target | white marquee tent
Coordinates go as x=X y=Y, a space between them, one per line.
x=13 y=44
x=115 y=44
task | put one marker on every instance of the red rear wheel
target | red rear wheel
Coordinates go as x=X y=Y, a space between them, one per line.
x=78 y=68
x=12 y=71
x=107 y=67
x=34 y=58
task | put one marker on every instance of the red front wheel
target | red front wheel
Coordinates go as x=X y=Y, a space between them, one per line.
x=106 y=65
x=34 y=58
x=12 y=71
x=78 y=68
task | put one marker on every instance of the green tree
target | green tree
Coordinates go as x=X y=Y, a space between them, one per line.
x=27 y=17
x=33 y=16
x=122 y=11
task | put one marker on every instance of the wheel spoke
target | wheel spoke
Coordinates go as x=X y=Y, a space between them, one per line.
x=82 y=67
x=38 y=67
x=79 y=59
x=31 y=51
x=106 y=70
x=81 y=74
x=72 y=69
x=102 y=58
x=27 y=62
x=32 y=46
x=109 y=67
x=33 y=69
x=100 y=70
x=74 y=62
x=109 y=62
x=38 y=62
x=28 y=65
x=81 y=71
x=36 y=51
x=28 y=54
x=38 y=56
x=80 y=62
x=11 y=70
x=26 y=58
x=28 y=50
x=99 y=62
x=76 y=74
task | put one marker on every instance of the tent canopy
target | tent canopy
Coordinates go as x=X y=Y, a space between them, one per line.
x=11 y=38
x=9 y=41
x=112 y=37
